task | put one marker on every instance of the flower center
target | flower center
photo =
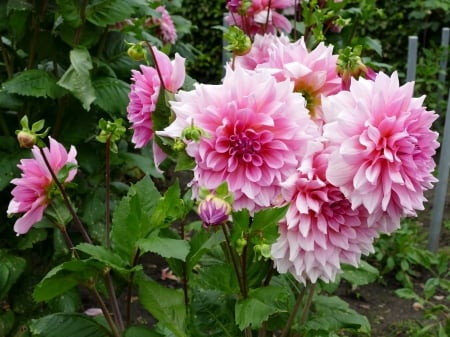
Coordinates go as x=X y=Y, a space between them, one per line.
x=245 y=145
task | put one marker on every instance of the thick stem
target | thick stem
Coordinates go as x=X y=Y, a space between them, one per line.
x=185 y=276
x=66 y=199
x=294 y=311
x=307 y=304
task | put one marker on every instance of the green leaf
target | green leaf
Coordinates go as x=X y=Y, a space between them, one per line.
x=333 y=314
x=70 y=11
x=77 y=78
x=265 y=224
x=67 y=324
x=362 y=275
x=200 y=244
x=64 y=277
x=107 y=12
x=7 y=320
x=131 y=219
x=140 y=331
x=166 y=247
x=111 y=95
x=407 y=293
x=9 y=101
x=104 y=255
x=11 y=267
x=168 y=209
x=35 y=83
x=165 y=304
x=34 y=236
x=259 y=305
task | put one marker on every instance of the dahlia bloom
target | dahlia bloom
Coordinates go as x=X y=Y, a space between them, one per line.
x=321 y=230
x=260 y=18
x=31 y=194
x=257 y=130
x=313 y=72
x=145 y=91
x=166 y=27
x=383 y=148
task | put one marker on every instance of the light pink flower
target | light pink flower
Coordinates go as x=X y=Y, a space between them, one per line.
x=31 y=194
x=145 y=91
x=313 y=71
x=383 y=148
x=320 y=230
x=256 y=130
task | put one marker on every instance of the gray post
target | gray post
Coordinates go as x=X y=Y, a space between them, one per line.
x=440 y=191
x=443 y=64
x=412 y=58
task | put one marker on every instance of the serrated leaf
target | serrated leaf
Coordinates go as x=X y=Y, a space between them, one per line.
x=111 y=95
x=35 y=235
x=64 y=277
x=361 y=275
x=107 y=12
x=131 y=219
x=265 y=223
x=77 y=79
x=67 y=324
x=166 y=247
x=200 y=244
x=104 y=255
x=168 y=209
x=259 y=305
x=165 y=304
x=34 y=83
x=11 y=267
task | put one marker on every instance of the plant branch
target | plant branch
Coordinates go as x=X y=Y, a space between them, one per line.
x=66 y=199
x=114 y=303
x=108 y=191
x=105 y=312
x=152 y=52
x=130 y=288
x=233 y=257
x=294 y=311
x=308 y=303
x=79 y=30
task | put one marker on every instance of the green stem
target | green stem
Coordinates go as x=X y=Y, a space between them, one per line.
x=294 y=311
x=307 y=304
x=130 y=288
x=184 y=266
x=108 y=191
x=105 y=312
x=233 y=257
x=75 y=217
x=114 y=303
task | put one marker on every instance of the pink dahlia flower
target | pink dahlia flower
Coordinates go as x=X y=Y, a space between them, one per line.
x=383 y=148
x=313 y=72
x=321 y=230
x=256 y=130
x=166 y=29
x=31 y=194
x=145 y=91
x=260 y=18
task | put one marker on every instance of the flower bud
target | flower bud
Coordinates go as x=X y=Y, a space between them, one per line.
x=350 y=65
x=26 y=139
x=213 y=211
x=136 y=52
x=262 y=251
x=192 y=133
x=238 y=42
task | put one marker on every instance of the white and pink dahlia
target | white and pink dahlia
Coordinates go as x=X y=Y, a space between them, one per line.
x=313 y=71
x=256 y=131
x=383 y=148
x=144 y=93
x=31 y=193
x=321 y=230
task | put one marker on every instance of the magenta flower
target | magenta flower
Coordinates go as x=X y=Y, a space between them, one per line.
x=31 y=194
x=321 y=230
x=213 y=211
x=313 y=71
x=145 y=91
x=383 y=148
x=256 y=130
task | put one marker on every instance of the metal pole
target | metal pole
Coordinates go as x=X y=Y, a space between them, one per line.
x=440 y=191
x=412 y=58
x=443 y=65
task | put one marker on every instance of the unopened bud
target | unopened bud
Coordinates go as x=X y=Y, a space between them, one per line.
x=238 y=42
x=192 y=133
x=178 y=145
x=26 y=139
x=262 y=250
x=136 y=52
x=213 y=211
